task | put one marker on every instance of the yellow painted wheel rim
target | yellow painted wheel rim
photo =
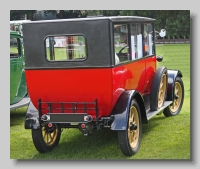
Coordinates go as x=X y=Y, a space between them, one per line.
x=133 y=135
x=162 y=91
x=49 y=137
x=177 y=101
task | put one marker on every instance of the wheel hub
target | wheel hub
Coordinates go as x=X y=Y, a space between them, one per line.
x=176 y=97
x=50 y=129
x=133 y=127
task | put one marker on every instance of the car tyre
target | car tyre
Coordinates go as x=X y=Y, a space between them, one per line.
x=129 y=139
x=159 y=89
x=175 y=108
x=45 y=138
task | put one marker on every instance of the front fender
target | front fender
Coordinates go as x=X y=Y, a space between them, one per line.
x=172 y=74
x=120 y=111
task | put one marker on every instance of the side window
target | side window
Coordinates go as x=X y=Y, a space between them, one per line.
x=136 y=41
x=148 y=39
x=14 y=47
x=65 y=48
x=121 y=43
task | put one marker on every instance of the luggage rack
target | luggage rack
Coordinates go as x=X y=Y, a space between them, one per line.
x=73 y=108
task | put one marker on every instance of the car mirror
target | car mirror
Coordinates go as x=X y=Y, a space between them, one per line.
x=162 y=33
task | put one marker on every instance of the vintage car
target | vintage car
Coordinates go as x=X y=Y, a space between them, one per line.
x=95 y=73
x=18 y=89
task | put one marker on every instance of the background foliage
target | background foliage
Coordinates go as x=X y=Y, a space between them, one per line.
x=176 y=22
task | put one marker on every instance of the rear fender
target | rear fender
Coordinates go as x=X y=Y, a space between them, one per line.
x=31 y=117
x=172 y=74
x=120 y=111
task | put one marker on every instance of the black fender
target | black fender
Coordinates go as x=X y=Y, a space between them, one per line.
x=31 y=117
x=120 y=112
x=172 y=74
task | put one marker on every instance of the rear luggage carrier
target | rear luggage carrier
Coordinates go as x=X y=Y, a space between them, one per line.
x=73 y=113
x=76 y=112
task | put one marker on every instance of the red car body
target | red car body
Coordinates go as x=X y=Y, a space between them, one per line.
x=97 y=73
x=86 y=85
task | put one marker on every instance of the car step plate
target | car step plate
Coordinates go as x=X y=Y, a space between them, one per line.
x=150 y=114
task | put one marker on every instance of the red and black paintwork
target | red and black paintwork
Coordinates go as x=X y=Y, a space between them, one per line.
x=81 y=85
x=52 y=85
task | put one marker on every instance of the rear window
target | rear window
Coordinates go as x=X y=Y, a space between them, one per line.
x=66 y=48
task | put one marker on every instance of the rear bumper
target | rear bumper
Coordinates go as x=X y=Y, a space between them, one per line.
x=66 y=118
x=34 y=119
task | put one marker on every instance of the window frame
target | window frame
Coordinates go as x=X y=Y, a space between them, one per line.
x=129 y=40
x=66 y=35
x=153 y=39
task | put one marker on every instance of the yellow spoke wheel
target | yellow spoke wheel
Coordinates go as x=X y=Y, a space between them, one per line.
x=178 y=97
x=46 y=138
x=49 y=137
x=133 y=134
x=175 y=108
x=162 y=90
x=158 y=89
x=129 y=139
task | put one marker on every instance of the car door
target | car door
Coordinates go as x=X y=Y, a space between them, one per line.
x=149 y=55
x=17 y=77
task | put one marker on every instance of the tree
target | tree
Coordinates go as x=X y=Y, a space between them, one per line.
x=22 y=14
x=101 y=12
x=176 y=22
x=64 y=14
x=16 y=15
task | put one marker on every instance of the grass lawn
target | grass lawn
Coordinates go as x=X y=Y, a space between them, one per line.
x=163 y=138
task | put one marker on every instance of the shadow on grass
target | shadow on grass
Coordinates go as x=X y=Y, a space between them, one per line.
x=102 y=144
x=17 y=116
x=152 y=123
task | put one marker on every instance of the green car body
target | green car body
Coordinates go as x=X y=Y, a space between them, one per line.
x=18 y=89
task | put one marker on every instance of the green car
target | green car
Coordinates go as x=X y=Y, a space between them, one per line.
x=18 y=90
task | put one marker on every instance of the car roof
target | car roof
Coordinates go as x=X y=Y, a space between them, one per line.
x=111 y=18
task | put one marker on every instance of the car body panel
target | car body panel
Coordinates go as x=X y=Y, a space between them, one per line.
x=18 y=89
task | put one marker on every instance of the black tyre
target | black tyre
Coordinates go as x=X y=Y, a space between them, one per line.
x=159 y=89
x=175 y=108
x=45 y=138
x=129 y=139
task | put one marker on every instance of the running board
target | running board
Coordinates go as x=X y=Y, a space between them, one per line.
x=24 y=102
x=150 y=114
